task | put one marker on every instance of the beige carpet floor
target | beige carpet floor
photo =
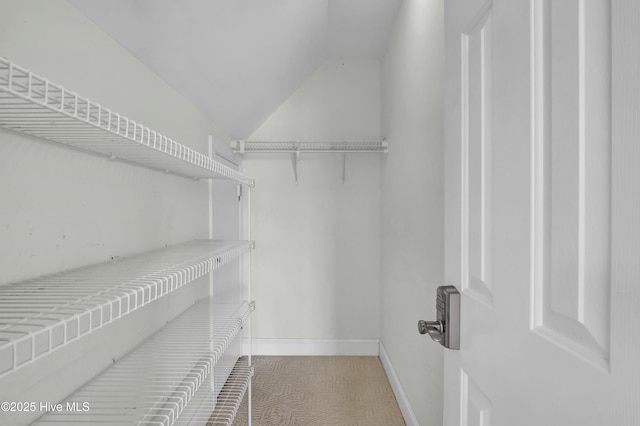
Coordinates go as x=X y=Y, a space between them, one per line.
x=318 y=391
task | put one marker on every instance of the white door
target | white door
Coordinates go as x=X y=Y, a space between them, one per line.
x=543 y=211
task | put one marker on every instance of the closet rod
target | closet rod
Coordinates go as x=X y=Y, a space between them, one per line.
x=295 y=147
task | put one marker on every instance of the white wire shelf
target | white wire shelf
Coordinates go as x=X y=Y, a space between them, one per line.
x=44 y=314
x=246 y=147
x=33 y=105
x=154 y=384
x=225 y=407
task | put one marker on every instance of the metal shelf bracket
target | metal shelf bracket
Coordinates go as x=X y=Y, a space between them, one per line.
x=295 y=157
x=344 y=168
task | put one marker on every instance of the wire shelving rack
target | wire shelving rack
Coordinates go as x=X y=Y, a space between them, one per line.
x=154 y=384
x=34 y=105
x=230 y=398
x=44 y=314
x=156 y=381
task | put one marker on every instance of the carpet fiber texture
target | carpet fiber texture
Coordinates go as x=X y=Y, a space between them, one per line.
x=318 y=391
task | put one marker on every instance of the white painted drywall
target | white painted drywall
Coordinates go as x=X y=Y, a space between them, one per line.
x=62 y=209
x=316 y=272
x=412 y=201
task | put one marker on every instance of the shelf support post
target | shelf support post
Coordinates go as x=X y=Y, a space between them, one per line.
x=344 y=167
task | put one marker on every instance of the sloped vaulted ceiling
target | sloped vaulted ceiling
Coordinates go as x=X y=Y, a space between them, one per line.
x=238 y=60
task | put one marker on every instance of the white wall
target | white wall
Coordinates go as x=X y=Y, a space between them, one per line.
x=316 y=264
x=412 y=201
x=62 y=209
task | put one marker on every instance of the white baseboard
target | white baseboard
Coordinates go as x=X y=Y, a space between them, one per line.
x=310 y=347
x=405 y=407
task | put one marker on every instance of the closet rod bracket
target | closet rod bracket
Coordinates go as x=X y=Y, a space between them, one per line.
x=295 y=157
